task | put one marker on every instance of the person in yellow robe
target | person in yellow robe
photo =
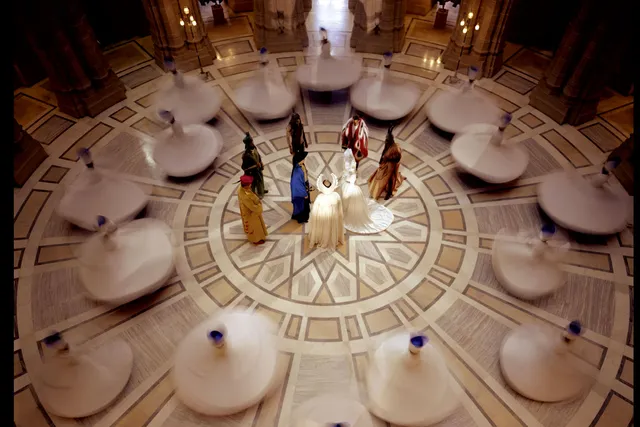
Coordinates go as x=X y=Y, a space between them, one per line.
x=251 y=212
x=387 y=178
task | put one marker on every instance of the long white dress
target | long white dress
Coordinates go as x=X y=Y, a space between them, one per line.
x=361 y=215
x=326 y=225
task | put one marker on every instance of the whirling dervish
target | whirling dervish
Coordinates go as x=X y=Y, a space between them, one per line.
x=329 y=73
x=387 y=178
x=189 y=98
x=265 y=96
x=361 y=216
x=326 y=229
x=383 y=97
x=355 y=135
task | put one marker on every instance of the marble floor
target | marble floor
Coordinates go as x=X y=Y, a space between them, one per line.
x=429 y=271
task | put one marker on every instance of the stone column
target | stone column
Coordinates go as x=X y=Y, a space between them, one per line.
x=266 y=32
x=79 y=75
x=391 y=24
x=573 y=83
x=183 y=43
x=28 y=154
x=482 y=48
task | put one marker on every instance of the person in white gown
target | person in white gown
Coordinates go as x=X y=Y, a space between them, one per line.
x=361 y=215
x=326 y=227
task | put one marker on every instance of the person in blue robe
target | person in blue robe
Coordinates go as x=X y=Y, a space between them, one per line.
x=300 y=189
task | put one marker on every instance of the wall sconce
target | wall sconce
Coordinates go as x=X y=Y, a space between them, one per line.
x=188 y=21
x=466 y=26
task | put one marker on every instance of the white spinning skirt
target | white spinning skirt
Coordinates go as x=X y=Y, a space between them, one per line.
x=331 y=410
x=190 y=153
x=408 y=389
x=94 y=194
x=574 y=203
x=78 y=389
x=474 y=153
x=264 y=97
x=195 y=103
x=222 y=381
x=363 y=215
x=453 y=111
x=136 y=261
x=534 y=364
x=329 y=74
x=384 y=99
x=522 y=272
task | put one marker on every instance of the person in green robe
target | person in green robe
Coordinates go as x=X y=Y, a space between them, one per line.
x=252 y=166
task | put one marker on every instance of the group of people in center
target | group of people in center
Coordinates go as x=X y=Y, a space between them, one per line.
x=331 y=213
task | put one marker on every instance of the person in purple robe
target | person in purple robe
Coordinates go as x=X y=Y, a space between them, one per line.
x=300 y=189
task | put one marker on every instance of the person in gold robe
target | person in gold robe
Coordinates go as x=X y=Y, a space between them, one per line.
x=387 y=178
x=251 y=212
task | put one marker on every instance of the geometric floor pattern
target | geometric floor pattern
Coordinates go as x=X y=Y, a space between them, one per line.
x=430 y=270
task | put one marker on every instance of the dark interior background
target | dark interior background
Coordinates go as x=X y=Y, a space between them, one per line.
x=115 y=21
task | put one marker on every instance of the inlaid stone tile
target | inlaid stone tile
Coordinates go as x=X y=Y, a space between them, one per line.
x=207 y=273
x=140 y=76
x=56 y=253
x=447 y=201
x=149 y=127
x=148 y=405
x=510 y=193
x=226 y=50
x=54 y=174
x=530 y=63
x=27 y=410
x=628 y=260
x=329 y=109
x=515 y=82
x=274 y=315
x=27 y=110
x=125 y=57
x=437 y=186
x=625 y=374
x=319 y=375
x=51 y=129
x=621 y=119
x=233 y=70
x=540 y=161
x=164 y=211
x=28 y=214
x=147 y=100
x=407 y=311
x=587 y=259
x=616 y=411
x=443 y=277
x=492 y=219
x=56 y=296
x=502 y=103
x=381 y=320
x=17 y=257
x=126 y=153
x=293 y=328
x=454 y=238
x=198 y=254
x=123 y=114
x=423 y=51
x=371 y=63
x=323 y=330
x=425 y=294
x=87 y=140
x=430 y=142
x=453 y=220
x=353 y=328
x=222 y=292
x=450 y=258
x=288 y=61
x=602 y=137
x=413 y=70
x=531 y=120
x=571 y=153
x=198 y=216
x=18 y=364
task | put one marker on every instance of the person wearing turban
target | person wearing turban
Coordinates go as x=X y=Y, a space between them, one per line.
x=296 y=138
x=387 y=178
x=300 y=189
x=355 y=135
x=251 y=212
x=252 y=166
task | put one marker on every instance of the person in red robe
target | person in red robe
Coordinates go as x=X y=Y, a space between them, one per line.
x=355 y=135
x=387 y=178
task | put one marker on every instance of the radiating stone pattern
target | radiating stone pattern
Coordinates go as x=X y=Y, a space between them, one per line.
x=430 y=270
